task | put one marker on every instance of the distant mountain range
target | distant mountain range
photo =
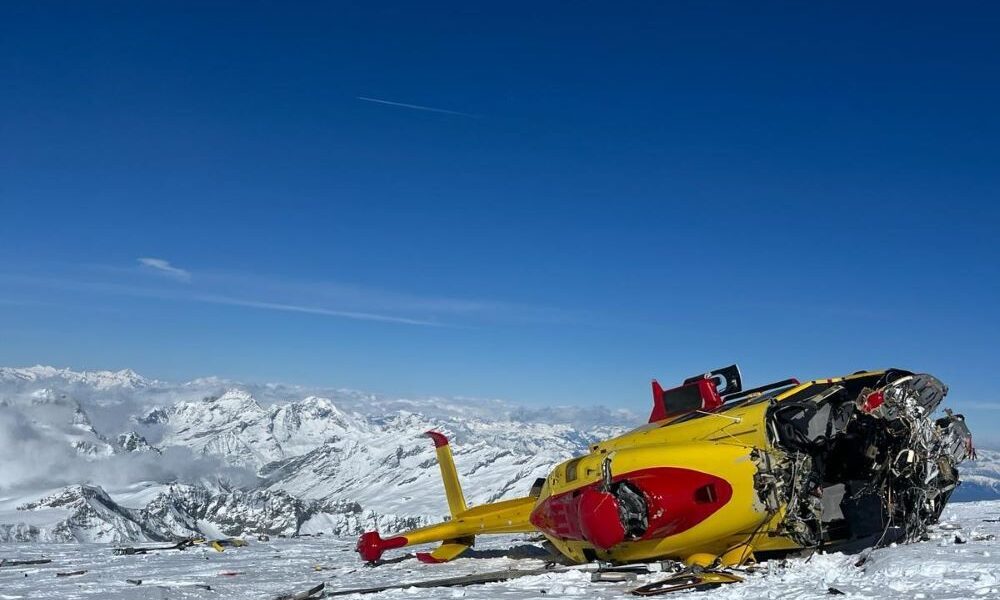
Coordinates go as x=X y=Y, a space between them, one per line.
x=113 y=456
x=116 y=457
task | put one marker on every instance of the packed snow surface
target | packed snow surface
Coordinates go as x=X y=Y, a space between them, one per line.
x=961 y=560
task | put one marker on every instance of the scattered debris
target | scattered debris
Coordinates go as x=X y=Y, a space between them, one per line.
x=863 y=558
x=316 y=592
x=461 y=581
x=613 y=576
x=71 y=573
x=130 y=550
x=218 y=545
x=222 y=544
x=694 y=579
x=23 y=563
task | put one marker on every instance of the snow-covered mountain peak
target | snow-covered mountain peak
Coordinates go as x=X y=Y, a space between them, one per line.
x=153 y=416
x=313 y=416
x=233 y=395
x=233 y=406
x=981 y=477
x=99 y=380
x=132 y=442
x=71 y=496
x=319 y=403
x=81 y=421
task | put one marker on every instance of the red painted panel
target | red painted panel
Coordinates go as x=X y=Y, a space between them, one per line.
x=677 y=499
x=674 y=501
x=427 y=557
x=598 y=515
x=710 y=399
x=873 y=401
x=677 y=400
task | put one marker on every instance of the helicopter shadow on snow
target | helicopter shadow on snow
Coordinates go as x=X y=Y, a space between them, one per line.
x=520 y=552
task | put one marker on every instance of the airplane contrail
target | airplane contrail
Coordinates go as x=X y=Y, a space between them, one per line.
x=417 y=107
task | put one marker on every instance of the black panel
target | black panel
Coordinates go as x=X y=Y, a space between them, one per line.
x=682 y=399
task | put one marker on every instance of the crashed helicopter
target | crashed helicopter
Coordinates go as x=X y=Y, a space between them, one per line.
x=721 y=476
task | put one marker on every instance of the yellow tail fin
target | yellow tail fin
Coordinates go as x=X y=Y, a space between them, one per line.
x=458 y=533
x=452 y=487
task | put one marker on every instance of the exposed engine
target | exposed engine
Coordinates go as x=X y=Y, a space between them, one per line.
x=864 y=464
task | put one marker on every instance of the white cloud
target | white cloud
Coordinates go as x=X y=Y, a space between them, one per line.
x=164 y=267
x=35 y=453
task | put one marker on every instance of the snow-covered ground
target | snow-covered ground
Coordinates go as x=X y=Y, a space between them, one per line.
x=932 y=570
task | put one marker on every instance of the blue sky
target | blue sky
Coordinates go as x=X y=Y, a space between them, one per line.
x=548 y=204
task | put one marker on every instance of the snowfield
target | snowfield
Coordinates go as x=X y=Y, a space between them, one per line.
x=943 y=567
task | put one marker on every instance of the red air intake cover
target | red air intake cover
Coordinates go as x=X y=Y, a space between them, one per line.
x=599 y=521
